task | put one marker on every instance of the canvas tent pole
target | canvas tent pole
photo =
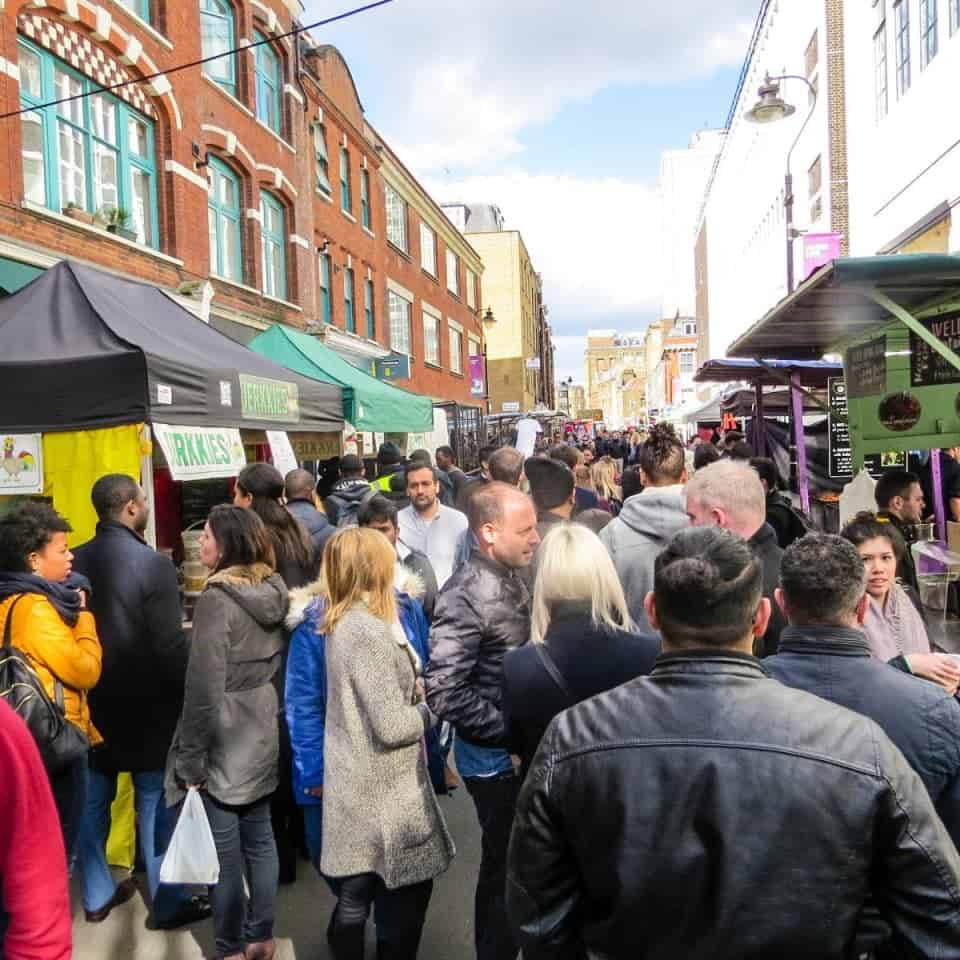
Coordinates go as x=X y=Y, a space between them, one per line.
x=796 y=398
x=760 y=427
x=146 y=479
x=936 y=474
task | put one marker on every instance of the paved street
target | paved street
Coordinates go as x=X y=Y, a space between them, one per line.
x=302 y=914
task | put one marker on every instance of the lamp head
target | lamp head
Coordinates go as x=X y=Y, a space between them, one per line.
x=770 y=107
x=488 y=316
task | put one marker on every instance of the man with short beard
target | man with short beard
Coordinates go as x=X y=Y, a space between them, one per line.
x=137 y=703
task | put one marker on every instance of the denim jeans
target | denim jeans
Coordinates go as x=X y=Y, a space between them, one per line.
x=153 y=831
x=70 y=795
x=495 y=799
x=246 y=848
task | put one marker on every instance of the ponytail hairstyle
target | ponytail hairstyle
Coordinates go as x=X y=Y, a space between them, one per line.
x=289 y=540
x=662 y=457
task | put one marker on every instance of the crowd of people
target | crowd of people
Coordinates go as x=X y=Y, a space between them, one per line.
x=689 y=725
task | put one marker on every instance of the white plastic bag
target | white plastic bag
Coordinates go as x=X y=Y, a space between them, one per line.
x=192 y=854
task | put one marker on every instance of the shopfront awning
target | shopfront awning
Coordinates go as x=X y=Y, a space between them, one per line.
x=847 y=299
x=368 y=403
x=769 y=373
x=82 y=349
x=15 y=275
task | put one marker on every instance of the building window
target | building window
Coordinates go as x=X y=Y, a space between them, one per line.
x=326 y=306
x=96 y=153
x=268 y=82
x=471 y=289
x=928 y=31
x=811 y=57
x=223 y=218
x=400 y=312
x=431 y=338
x=814 y=187
x=272 y=252
x=687 y=363
x=456 y=350
x=954 y=16
x=880 y=69
x=365 y=198
x=349 y=319
x=901 y=26
x=321 y=159
x=428 y=250
x=346 y=198
x=139 y=7
x=396 y=219
x=453 y=273
x=218 y=36
x=368 y=310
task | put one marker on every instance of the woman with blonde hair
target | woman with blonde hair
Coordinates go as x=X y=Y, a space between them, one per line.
x=604 y=476
x=384 y=837
x=583 y=641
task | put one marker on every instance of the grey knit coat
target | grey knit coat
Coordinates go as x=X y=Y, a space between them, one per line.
x=380 y=814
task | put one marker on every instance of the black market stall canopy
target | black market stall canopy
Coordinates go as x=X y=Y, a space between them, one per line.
x=82 y=349
x=368 y=403
x=769 y=373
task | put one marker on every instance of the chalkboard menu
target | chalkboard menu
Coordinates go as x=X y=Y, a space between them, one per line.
x=865 y=367
x=927 y=367
x=841 y=454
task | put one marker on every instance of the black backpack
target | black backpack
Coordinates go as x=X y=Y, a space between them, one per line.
x=60 y=742
x=788 y=523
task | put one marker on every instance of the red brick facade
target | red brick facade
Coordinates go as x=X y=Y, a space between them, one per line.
x=194 y=119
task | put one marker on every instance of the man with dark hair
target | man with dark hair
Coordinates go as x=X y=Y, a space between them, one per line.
x=506 y=466
x=483 y=612
x=648 y=521
x=298 y=487
x=900 y=501
x=136 y=603
x=824 y=651
x=552 y=490
x=447 y=463
x=791 y=809
x=391 y=480
x=786 y=522
x=630 y=482
x=484 y=454
x=585 y=499
x=730 y=439
x=704 y=454
x=741 y=451
x=379 y=513
x=348 y=493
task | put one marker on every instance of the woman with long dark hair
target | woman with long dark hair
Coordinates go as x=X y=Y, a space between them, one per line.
x=260 y=489
x=227 y=743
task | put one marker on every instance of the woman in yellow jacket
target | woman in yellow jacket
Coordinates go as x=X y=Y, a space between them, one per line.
x=55 y=631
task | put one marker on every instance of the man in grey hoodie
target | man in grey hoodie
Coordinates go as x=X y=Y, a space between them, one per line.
x=649 y=519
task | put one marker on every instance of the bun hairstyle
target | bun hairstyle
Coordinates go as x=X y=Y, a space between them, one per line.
x=707 y=587
x=662 y=456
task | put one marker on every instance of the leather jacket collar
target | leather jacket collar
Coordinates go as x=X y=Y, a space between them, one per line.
x=494 y=566
x=836 y=641
x=706 y=661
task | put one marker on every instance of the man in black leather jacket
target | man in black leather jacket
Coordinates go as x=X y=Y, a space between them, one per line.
x=482 y=612
x=707 y=811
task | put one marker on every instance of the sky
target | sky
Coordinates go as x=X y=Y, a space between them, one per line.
x=557 y=112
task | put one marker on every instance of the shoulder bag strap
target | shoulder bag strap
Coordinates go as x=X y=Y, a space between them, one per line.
x=8 y=626
x=550 y=665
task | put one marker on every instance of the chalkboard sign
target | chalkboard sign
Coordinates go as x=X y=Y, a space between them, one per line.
x=865 y=367
x=927 y=367
x=841 y=454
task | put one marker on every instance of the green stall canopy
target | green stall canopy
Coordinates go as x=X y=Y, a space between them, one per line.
x=368 y=403
x=15 y=275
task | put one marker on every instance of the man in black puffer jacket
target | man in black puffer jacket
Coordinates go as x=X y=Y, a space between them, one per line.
x=710 y=813
x=482 y=612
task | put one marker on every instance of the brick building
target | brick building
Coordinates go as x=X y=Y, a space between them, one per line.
x=255 y=188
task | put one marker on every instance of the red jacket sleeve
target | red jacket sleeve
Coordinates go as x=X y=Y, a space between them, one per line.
x=33 y=865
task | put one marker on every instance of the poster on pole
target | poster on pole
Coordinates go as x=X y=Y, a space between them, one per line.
x=21 y=466
x=281 y=451
x=477 y=388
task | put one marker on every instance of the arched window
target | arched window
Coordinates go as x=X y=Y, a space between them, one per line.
x=218 y=35
x=223 y=218
x=272 y=242
x=267 y=70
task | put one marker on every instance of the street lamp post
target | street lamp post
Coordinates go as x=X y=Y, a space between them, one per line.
x=488 y=320
x=769 y=109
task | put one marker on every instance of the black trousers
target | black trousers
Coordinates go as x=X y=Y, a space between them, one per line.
x=495 y=799
x=400 y=913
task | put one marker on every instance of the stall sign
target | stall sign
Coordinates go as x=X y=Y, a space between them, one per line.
x=21 y=467
x=927 y=367
x=396 y=366
x=316 y=446
x=865 y=367
x=840 y=451
x=201 y=453
x=265 y=399
x=281 y=452
x=511 y=406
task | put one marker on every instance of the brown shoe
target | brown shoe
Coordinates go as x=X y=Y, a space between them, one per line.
x=125 y=890
x=264 y=950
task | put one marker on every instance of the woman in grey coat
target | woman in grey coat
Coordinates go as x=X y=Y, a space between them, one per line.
x=384 y=837
x=226 y=743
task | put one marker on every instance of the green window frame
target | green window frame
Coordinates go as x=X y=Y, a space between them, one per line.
x=368 y=310
x=224 y=222
x=365 y=198
x=326 y=306
x=349 y=317
x=273 y=246
x=321 y=159
x=269 y=83
x=218 y=34
x=96 y=152
x=346 y=198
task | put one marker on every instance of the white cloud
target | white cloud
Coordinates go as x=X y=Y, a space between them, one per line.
x=569 y=358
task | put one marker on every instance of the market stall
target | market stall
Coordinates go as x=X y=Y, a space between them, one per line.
x=95 y=367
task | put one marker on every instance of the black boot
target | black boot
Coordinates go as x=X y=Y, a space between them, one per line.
x=404 y=948
x=346 y=940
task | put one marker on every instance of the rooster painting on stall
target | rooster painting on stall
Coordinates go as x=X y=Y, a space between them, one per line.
x=13 y=464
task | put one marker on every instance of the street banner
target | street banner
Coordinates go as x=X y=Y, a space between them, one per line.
x=201 y=453
x=21 y=466
x=477 y=388
x=818 y=249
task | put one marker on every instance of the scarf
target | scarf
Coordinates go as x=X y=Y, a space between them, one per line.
x=63 y=596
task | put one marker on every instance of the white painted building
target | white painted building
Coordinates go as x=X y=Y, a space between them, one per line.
x=683 y=179
x=903 y=125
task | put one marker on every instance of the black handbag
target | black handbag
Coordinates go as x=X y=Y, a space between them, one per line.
x=60 y=742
